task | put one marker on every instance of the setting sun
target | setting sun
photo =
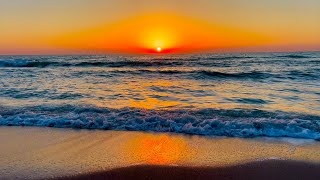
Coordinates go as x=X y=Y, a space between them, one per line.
x=159 y=49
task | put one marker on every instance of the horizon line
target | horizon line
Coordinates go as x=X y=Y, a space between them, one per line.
x=159 y=54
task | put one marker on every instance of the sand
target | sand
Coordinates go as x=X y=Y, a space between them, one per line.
x=269 y=169
x=37 y=153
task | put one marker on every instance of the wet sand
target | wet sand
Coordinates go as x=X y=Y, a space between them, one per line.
x=269 y=169
x=42 y=153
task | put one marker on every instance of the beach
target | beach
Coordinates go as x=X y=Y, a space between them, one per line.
x=171 y=89
x=269 y=169
x=52 y=153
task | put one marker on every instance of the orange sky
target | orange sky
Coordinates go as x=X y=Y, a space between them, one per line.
x=172 y=33
x=141 y=26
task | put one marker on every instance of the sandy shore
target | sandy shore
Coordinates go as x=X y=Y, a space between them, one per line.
x=269 y=169
x=37 y=153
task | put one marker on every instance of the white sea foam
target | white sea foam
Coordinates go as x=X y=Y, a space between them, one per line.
x=212 y=122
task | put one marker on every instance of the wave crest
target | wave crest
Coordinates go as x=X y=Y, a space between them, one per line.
x=212 y=122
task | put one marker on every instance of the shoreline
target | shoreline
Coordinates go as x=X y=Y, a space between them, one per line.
x=267 y=169
x=42 y=153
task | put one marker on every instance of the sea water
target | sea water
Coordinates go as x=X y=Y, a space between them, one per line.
x=231 y=94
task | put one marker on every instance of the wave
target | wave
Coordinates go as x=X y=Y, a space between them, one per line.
x=202 y=74
x=310 y=75
x=106 y=61
x=198 y=74
x=294 y=56
x=209 y=74
x=25 y=63
x=78 y=61
x=212 y=122
x=228 y=57
x=253 y=74
x=44 y=64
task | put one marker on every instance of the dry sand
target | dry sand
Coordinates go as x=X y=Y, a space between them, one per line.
x=36 y=153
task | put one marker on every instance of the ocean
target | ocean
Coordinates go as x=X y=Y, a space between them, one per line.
x=231 y=94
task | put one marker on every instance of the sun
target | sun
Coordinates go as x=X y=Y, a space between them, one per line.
x=159 y=49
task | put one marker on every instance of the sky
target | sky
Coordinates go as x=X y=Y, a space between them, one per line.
x=142 y=26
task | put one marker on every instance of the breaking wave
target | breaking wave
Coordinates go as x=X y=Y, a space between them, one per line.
x=211 y=122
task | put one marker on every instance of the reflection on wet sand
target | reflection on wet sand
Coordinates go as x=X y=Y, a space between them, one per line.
x=158 y=149
x=64 y=151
